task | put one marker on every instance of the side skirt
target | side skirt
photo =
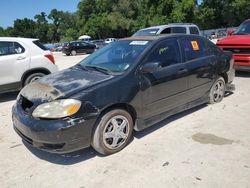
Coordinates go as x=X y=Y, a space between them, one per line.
x=143 y=124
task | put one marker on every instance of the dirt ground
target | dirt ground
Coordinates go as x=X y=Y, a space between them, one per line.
x=208 y=146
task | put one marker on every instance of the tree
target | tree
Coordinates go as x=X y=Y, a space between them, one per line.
x=41 y=30
x=24 y=28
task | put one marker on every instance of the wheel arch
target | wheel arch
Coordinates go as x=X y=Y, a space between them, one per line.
x=224 y=76
x=129 y=108
x=32 y=71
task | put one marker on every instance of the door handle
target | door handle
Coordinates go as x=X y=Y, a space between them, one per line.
x=182 y=71
x=20 y=57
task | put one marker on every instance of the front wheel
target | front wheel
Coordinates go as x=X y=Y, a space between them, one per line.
x=113 y=132
x=217 y=91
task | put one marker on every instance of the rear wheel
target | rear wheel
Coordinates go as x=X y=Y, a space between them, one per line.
x=217 y=91
x=113 y=132
x=33 y=77
x=73 y=52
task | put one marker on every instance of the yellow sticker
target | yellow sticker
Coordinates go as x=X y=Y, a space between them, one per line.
x=195 y=45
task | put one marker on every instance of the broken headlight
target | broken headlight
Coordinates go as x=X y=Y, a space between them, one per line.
x=57 y=109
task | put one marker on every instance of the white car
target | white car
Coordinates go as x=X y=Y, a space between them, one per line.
x=22 y=61
x=184 y=28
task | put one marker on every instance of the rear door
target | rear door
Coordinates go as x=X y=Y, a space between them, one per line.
x=14 y=61
x=85 y=47
x=166 y=88
x=201 y=66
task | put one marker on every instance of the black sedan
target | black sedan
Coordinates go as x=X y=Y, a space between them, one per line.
x=128 y=85
x=78 y=47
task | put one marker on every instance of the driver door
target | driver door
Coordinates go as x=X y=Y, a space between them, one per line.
x=166 y=88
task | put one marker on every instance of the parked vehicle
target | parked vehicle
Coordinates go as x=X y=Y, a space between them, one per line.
x=50 y=47
x=60 y=46
x=77 y=47
x=239 y=44
x=128 y=85
x=109 y=40
x=184 y=28
x=23 y=61
x=99 y=43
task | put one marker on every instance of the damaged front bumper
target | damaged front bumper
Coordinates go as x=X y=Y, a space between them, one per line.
x=55 y=136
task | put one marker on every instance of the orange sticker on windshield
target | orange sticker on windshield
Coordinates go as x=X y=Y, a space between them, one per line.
x=195 y=45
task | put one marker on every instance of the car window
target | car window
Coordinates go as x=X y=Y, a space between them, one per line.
x=193 y=48
x=118 y=56
x=194 y=30
x=146 y=32
x=211 y=48
x=174 y=30
x=40 y=45
x=166 y=53
x=73 y=44
x=9 y=48
x=84 y=44
x=179 y=30
x=166 y=31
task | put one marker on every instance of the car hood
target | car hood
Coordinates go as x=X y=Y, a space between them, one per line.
x=62 y=84
x=235 y=40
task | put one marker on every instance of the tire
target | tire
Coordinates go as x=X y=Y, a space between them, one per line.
x=73 y=52
x=106 y=138
x=33 y=77
x=217 y=91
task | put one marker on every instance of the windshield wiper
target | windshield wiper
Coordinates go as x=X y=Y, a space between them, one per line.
x=78 y=65
x=99 y=69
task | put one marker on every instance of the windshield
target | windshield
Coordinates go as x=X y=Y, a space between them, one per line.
x=117 y=56
x=146 y=32
x=244 y=29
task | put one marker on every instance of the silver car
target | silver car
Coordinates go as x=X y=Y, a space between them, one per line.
x=184 y=28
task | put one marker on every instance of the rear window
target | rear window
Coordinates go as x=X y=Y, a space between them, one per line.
x=194 y=30
x=40 y=45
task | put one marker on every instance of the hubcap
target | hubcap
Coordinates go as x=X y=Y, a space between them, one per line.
x=116 y=132
x=218 y=92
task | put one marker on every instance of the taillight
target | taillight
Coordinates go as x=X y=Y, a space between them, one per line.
x=51 y=58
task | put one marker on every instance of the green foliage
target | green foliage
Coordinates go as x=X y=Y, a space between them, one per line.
x=121 y=18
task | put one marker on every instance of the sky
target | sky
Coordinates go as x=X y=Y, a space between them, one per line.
x=11 y=10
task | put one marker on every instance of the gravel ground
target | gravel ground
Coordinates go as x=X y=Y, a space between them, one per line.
x=208 y=146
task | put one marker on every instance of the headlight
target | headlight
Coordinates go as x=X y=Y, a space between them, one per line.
x=57 y=109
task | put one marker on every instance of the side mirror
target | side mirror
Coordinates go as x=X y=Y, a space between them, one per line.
x=151 y=67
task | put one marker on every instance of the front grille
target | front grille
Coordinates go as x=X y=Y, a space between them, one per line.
x=238 y=50
x=26 y=104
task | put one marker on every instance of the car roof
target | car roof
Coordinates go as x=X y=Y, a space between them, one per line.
x=168 y=25
x=17 y=38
